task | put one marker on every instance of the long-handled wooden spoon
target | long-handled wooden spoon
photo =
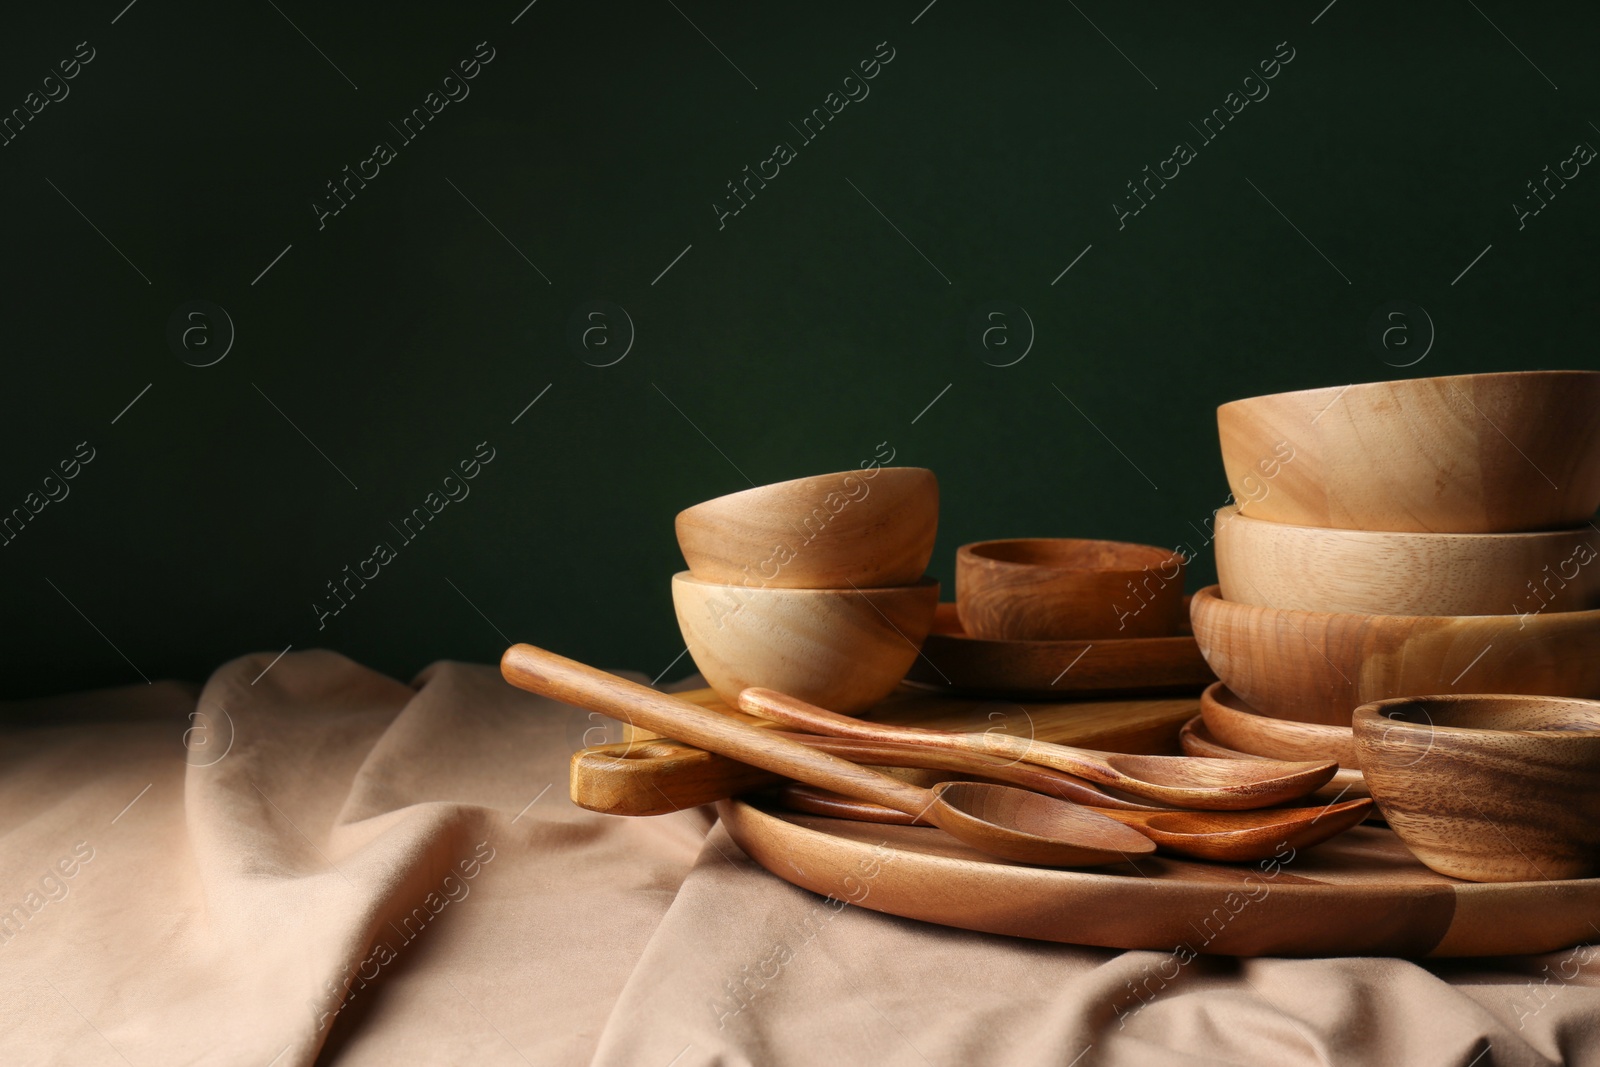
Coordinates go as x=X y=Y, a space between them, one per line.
x=997 y=819
x=1224 y=836
x=1181 y=781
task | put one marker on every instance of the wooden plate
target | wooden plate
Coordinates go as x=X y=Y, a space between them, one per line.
x=1196 y=739
x=1056 y=670
x=1360 y=894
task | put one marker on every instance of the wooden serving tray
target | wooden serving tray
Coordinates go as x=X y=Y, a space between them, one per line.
x=1360 y=894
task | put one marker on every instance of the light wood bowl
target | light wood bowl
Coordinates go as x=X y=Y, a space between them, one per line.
x=1314 y=568
x=1473 y=453
x=1238 y=725
x=841 y=649
x=1067 y=589
x=1317 y=667
x=869 y=528
x=1488 y=788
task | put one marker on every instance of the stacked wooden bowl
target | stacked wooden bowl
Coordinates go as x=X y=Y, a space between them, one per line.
x=1395 y=539
x=813 y=587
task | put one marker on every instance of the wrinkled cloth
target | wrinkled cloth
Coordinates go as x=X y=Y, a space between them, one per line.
x=320 y=864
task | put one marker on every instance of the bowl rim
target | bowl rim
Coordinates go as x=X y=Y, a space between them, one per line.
x=1240 y=706
x=1406 y=382
x=687 y=577
x=756 y=490
x=1548 y=620
x=1356 y=536
x=1372 y=711
x=973 y=550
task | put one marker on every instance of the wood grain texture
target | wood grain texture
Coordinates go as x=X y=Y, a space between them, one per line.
x=1067 y=589
x=1196 y=739
x=1360 y=894
x=1478 y=453
x=1236 y=724
x=847 y=648
x=647 y=775
x=955 y=662
x=1316 y=667
x=869 y=528
x=1309 y=568
x=1488 y=788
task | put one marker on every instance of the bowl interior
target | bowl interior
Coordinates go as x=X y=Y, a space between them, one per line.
x=1071 y=554
x=1500 y=714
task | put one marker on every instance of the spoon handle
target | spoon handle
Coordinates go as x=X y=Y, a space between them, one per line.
x=571 y=682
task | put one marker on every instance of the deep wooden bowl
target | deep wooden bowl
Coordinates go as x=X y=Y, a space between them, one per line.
x=1314 y=568
x=841 y=649
x=1488 y=788
x=1238 y=725
x=1317 y=667
x=1472 y=453
x=1066 y=589
x=864 y=527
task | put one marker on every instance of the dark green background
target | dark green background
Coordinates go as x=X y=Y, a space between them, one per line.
x=797 y=338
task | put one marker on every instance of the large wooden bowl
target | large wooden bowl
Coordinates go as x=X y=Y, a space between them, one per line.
x=1315 y=568
x=864 y=527
x=841 y=649
x=1316 y=667
x=1488 y=788
x=1068 y=589
x=1475 y=453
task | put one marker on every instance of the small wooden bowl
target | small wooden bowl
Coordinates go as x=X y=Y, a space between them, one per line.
x=1488 y=788
x=1470 y=453
x=1313 y=568
x=1238 y=725
x=1065 y=589
x=868 y=528
x=1317 y=667
x=841 y=649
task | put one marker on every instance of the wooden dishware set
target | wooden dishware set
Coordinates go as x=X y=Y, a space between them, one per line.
x=1011 y=784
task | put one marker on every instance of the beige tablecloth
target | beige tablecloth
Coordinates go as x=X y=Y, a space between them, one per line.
x=324 y=865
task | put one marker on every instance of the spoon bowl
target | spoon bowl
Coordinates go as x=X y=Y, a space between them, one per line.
x=1028 y=827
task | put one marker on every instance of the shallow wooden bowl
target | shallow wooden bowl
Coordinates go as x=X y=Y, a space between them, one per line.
x=1238 y=725
x=1472 y=453
x=1196 y=739
x=841 y=649
x=1488 y=788
x=1318 y=667
x=867 y=528
x=1067 y=589
x=1315 y=568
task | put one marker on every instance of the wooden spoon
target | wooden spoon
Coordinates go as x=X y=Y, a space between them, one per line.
x=998 y=819
x=1224 y=836
x=1181 y=781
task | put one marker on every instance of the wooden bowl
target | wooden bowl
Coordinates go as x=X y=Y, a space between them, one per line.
x=1195 y=739
x=1318 y=667
x=1488 y=788
x=1065 y=589
x=841 y=649
x=1313 y=568
x=868 y=528
x=1237 y=725
x=1473 y=453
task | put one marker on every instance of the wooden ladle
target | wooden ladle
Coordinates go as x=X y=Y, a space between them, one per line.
x=1181 y=781
x=998 y=819
x=1223 y=836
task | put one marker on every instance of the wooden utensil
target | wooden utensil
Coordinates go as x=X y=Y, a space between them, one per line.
x=1238 y=725
x=1195 y=739
x=1067 y=589
x=1223 y=836
x=870 y=528
x=1488 y=788
x=1361 y=894
x=1365 y=572
x=648 y=776
x=1469 y=453
x=954 y=661
x=1316 y=667
x=1217 y=785
x=847 y=646
x=997 y=819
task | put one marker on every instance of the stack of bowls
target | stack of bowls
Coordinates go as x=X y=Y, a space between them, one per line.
x=813 y=587
x=1430 y=536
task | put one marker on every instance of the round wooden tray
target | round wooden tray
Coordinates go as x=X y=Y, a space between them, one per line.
x=1055 y=670
x=1361 y=894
